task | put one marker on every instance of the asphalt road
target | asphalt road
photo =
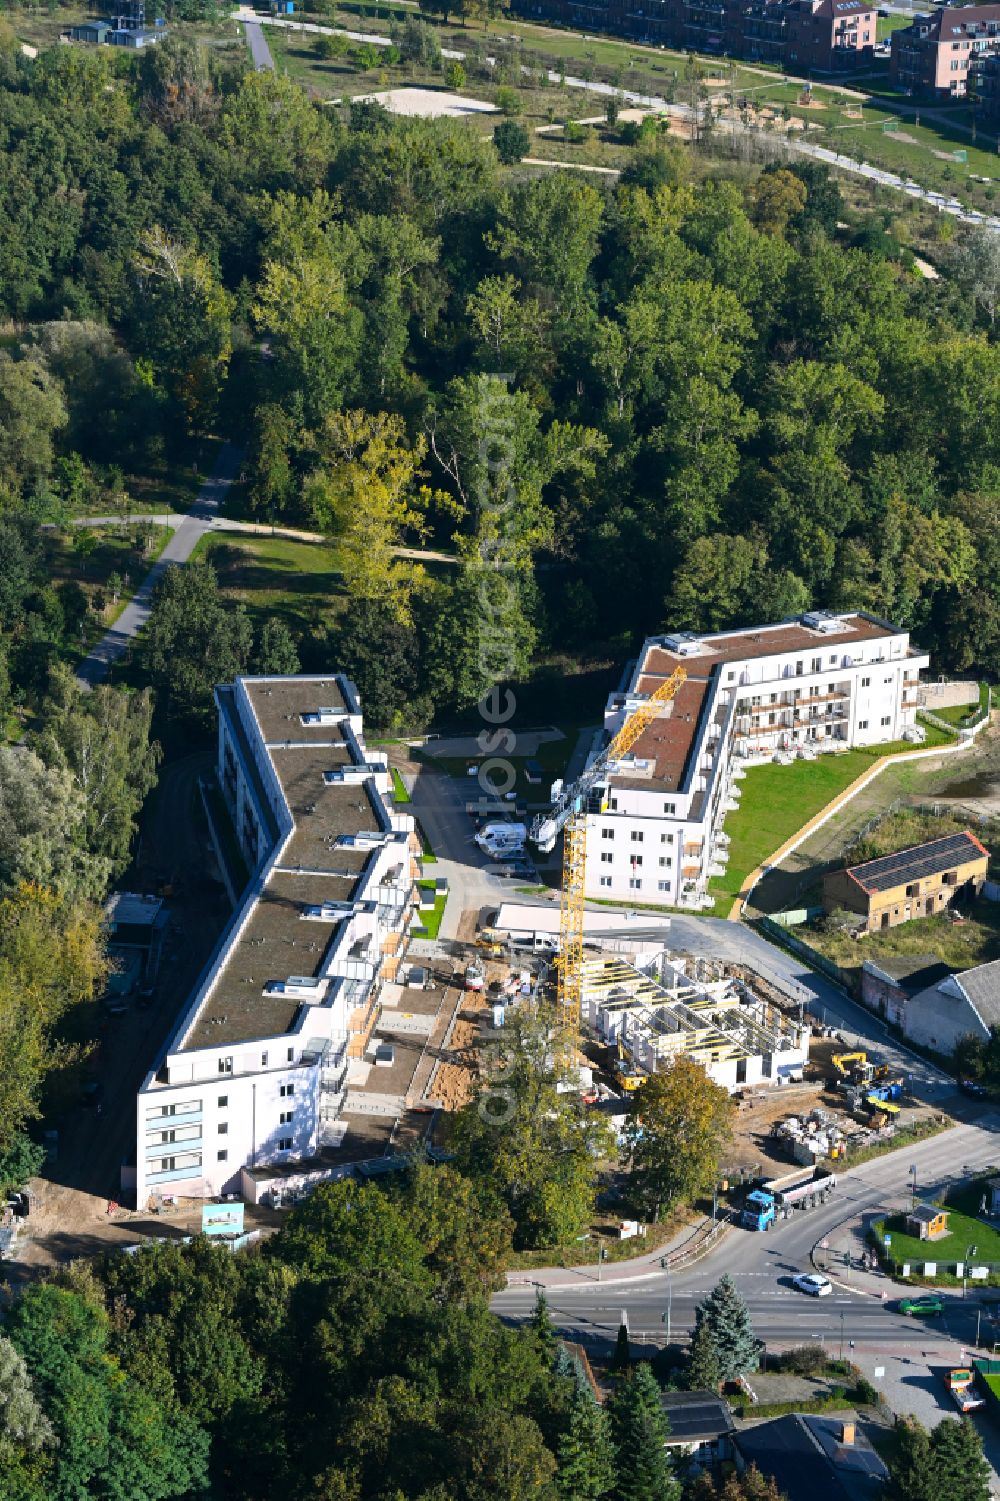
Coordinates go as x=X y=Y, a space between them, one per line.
x=763 y=1264
x=114 y=643
x=260 y=52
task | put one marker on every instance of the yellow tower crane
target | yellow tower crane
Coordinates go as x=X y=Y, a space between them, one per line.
x=569 y=815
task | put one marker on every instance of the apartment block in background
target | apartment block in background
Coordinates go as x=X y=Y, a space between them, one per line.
x=256 y=1074
x=814 y=684
x=935 y=56
x=823 y=36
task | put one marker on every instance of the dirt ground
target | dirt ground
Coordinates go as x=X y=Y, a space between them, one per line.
x=457 y=1073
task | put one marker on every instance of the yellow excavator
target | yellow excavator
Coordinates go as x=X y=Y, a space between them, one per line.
x=628 y=1074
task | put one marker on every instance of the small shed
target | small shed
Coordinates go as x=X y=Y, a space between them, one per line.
x=94 y=32
x=927 y=1222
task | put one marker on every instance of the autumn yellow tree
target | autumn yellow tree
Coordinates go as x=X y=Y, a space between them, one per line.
x=366 y=493
x=674 y=1139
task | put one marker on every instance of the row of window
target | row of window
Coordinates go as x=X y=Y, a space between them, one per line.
x=635 y=883
x=669 y=810
x=666 y=863
x=884 y=722
x=226 y=1064
x=636 y=836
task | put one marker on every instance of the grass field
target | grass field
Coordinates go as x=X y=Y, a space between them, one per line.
x=959 y=945
x=965 y=1230
x=776 y=801
x=298 y=582
x=89 y=556
x=399 y=791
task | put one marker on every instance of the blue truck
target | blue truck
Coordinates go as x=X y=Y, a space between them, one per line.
x=798 y=1190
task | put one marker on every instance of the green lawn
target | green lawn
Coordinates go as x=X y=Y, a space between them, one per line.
x=431 y=920
x=299 y=582
x=777 y=800
x=957 y=714
x=965 y=1231
x=399 y=791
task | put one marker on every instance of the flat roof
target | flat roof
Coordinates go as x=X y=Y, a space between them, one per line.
x=929 y=859
x=317 y=865
x=659 y=661
x=279 y=704
x=669 y=741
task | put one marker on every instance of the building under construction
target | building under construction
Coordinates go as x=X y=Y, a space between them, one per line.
x=656 y=1014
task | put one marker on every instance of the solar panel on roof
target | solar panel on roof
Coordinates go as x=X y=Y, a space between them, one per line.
x=912 y=864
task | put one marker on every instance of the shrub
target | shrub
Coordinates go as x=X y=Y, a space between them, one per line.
x=805 y=1360
x=512 y=141
x=508 y=101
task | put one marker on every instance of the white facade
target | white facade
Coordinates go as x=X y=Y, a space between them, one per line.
x=255 y=1071
x=816 y=684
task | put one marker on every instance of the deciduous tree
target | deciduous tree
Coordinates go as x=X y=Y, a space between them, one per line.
x=682 y=1121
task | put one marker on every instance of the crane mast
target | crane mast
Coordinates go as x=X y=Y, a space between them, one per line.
x=569 y=815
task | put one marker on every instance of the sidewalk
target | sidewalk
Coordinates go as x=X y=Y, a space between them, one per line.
x=684 y=1248
x=112 y=646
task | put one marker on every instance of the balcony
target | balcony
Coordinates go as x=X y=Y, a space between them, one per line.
x=169 y=1122
x=173 y=1148
x=175 y=1174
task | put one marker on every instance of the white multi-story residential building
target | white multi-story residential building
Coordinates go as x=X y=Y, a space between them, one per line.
x=255 y=1071
x=820 y=682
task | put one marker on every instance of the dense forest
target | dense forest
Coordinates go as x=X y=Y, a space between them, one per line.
x=705 y=396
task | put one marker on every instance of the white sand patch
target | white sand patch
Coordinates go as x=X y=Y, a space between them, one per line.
x=429 y=103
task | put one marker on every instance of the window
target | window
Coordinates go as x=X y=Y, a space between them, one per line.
x=831 y=687
x=663 y=885
x=223 y=1128
x=730 y=676
x=670 y=809
x=635 y=884
x=606 y=857
x=636 y=836
x=223 y=1101
x=613 y=804
x=954 y=66
x=286 y=1117
x=263 y=1060
x=799 y=668
x=167 y=1136
x=816 y=665
x=222 y=1156
x=665 y=862
x=867 y=36
x=167 y=1164
x=284 y=1143
x=666 y=838
x=833 y=661
x=866 y=682
x=225 y=1065
x=607 y=833
x=635 y=860
x=605 y=880
x=862 y=724
x=886 y=719
x=286 y=1091
x=291 y=1055
x=814 y=691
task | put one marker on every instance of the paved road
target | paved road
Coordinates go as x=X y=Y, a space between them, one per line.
x=260 y=52
x=97 y=664
x=912 y=1355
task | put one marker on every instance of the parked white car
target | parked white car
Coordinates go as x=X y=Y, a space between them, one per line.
x=813 y=1284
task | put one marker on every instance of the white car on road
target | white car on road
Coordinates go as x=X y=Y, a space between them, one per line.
x=813 y=1284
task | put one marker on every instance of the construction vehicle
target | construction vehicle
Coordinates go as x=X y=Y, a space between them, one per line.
x=568 y=816
x=628 y=1074
x=852 y=1069
x=475 y=976
x=491 y=943
x=799 y=1190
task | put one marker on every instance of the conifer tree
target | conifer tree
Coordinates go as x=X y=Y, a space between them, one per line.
x=910 y=1477
x=960 y=1469
x=541 y=1324
x=702 y=1374
x=728 y=1321
x=586 y=1469
x=623 y=1358
x=639 y=1428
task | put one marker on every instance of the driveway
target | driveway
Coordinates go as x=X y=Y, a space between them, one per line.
x=98 y=662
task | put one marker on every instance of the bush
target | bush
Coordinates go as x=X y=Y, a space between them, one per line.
x=367 y=56
x=330 y=47
x=512 y=141
x=508 y=101
x=805 y=1360
x=865 y=1393
x=576 y=134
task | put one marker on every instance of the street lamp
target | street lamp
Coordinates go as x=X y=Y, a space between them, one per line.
x=913 y=1184
x=842 y=1335
x=969 y=1251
